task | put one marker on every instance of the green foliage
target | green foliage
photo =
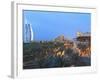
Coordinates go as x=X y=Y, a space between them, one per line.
x=41 y=55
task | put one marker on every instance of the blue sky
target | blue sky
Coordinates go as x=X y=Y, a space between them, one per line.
x=48 y=25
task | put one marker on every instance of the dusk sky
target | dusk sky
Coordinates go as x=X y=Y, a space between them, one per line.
x=48 y=25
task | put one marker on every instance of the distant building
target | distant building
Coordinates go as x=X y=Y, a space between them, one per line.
x=67 y=42
x=83 y=36
x=27 y=33
x=84 y=40
x=60 y=38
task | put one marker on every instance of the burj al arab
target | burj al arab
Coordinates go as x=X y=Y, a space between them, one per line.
x=27 y=33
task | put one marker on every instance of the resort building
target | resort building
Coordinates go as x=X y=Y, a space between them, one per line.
x=60 y=38
x=83 y=42
x=83 y=37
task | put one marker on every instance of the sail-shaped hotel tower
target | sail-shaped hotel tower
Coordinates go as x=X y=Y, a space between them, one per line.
x=27 y=33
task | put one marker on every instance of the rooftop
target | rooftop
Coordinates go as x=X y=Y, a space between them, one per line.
x=79 y=34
